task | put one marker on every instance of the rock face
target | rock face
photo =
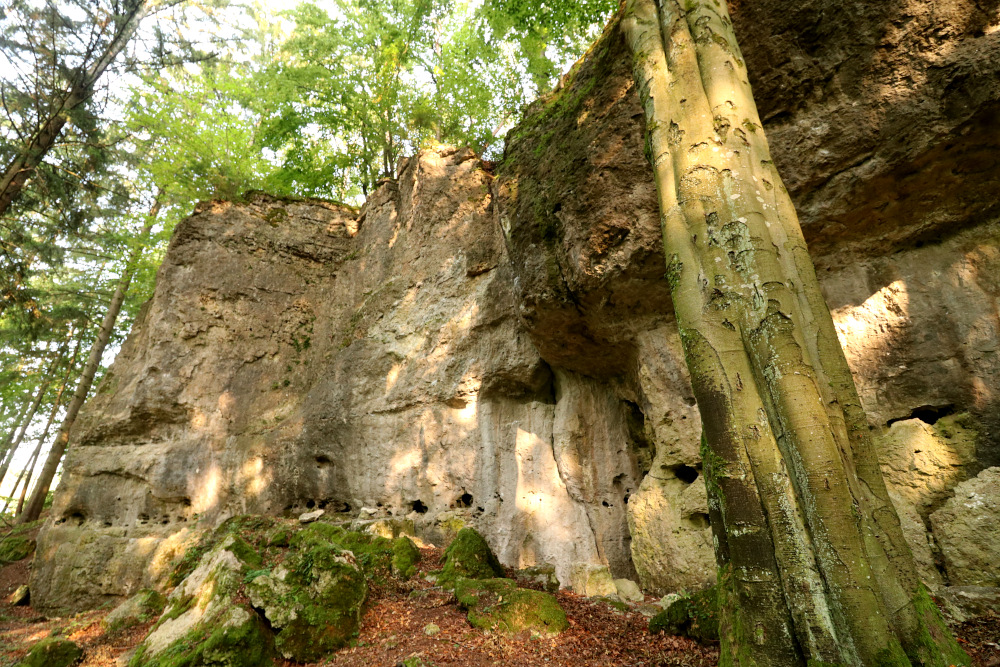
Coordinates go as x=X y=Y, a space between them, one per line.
x=498 y=350
x=968 y=530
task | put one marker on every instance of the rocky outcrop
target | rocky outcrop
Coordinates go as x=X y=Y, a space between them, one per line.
x=968 y=530
x=498 y=350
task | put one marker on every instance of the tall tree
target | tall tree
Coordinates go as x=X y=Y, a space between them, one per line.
x=72 y=86
x=812 y=562
x=37 y=501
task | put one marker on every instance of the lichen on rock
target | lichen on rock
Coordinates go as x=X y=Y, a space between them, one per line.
x=695 y=616
x=204 y=622
x=313 y=600
x=498 y=604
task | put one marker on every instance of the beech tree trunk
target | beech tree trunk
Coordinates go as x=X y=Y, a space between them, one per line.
x=35 y=504
x=812 y=563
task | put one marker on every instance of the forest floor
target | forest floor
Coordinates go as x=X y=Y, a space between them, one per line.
x=415 y=618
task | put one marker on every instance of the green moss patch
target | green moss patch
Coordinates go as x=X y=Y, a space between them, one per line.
x=695 y=616
x=52 y=652
x=469 y=557
x=405 y=556
x=313 y=601
x=498 y=604
x=237 y=638
x=15 y=548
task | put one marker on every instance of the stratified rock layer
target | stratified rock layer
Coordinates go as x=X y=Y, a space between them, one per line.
x=499 y=351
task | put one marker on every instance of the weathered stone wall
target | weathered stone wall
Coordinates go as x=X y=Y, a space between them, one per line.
x=500 y=350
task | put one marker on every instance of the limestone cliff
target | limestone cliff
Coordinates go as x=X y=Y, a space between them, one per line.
x=499 y=350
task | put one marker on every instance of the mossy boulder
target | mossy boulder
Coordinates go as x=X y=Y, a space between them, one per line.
x=695 y=616
x=205 y=623
x=313 y=600
x=469 y=557
x=14 y=548
x=52 y=652
x=405 y=556
x=498 y=604
x=141 y=608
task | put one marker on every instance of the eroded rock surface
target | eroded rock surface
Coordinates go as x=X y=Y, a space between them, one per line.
x=968 y=530
x=498 y=350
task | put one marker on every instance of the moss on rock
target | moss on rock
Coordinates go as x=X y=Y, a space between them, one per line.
x=469 y=557
x=498 y=604
x=313 y=600
x=204 y=622
x=141 y=608
x=15 y=548
x=405 y=556
x=695 y=616
x=52 y=652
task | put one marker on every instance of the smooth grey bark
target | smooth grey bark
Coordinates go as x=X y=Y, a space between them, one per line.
x=813 y=567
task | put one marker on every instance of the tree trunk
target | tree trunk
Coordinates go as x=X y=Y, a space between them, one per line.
x=34 y=508
x=11 y=445
x=812 y=562
x=30 y=468
x=20 y=169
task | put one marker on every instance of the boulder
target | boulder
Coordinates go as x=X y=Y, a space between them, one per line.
x=695 y=616
x=313 y=600
x=405 y=556
x=204 y=622
x=918 y=538
x=629 y=590
x=965 y=603
x=543 y=575
x=20 y=596
x=15 y=548
x=967 y=529
x=141 y=608
x=469 y=557
x=52 y=652
x=592 y=580
x=922 y=463
x=498 y=604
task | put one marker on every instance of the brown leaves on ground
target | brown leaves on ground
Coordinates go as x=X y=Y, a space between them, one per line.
x=393 y=630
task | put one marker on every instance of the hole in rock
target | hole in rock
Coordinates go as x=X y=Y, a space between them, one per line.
x=929 y=414
x=625 y=499
x=310 y=504
x=699 y=520
x=323 y=459
x=606 y=503
x=464 y=500
x=345 y=507
x=686 y=474
x=418 y=507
